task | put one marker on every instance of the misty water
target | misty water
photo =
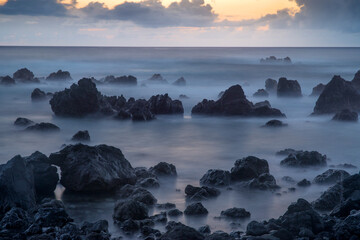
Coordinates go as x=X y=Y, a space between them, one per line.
x=192 y=144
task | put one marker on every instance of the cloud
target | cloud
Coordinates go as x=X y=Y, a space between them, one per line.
x=151 y=13
x=33 y=8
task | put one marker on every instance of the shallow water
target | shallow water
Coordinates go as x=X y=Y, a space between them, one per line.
x=193 y=144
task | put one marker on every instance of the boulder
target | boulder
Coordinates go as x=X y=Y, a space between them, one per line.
x=130 y=210
x=287 y=152
x=123 y=80
x=174 y=213
x=149 y=183
x=37 y=94
x=275 y=123
x=248 y=168
x=304 y=183
x=43 y=127
x=317 y=90
x=23 y=122
x=234 y=103
x=178 y=231
x=265 y=181
x=255 y=228
x=349 y=228
x=235 y=213
x=81 y=136
x=288 y=88
x=59 y=76
x=163 y=169
x=337 y=95
x=163 y=104
x=16 y=219
x=331 y=176
x=205 y=230
x=304 y=159
x=180 y=82
x=138 y=194
x=271 y=85
x=346 y=116
x=140 y=111
x=24 y=75
x=157 y=79
x=7 y=80
x=201 y=193
x=261 y=93
x=93 y=169
x=51 y=213
x=216 y=177
x=196 y=209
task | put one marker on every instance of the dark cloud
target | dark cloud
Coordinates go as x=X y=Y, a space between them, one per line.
x=33 y=8
x=151 y=13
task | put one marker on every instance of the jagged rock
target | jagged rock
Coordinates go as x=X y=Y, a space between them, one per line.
x=138 y=194
x=317 y=90
x=346 y=116
x=337 y=95
x=201 y=193
x=158 y=79
x=205 y=230
x=91 y=169
x=249 y=168
x=180 y=82
x=174 y=213
x=163 y=169
x=288 y=88
x=265 y=181
x=130 y=210
x=149 y=183
x=216 y=177
x=261 y=93
x=234 y=103
x=44 y=127
x=331 y=176
x=275 y=123
x=142 y=173
x=7 y=80
x=140 y=111
x=349 y=228
x=159 y=218
x=24 y=75
x=123 y=115
x=37 y=94
x=23 y=122
x=51 y=214
x=59 y=75
x=219 y=235
x=124 y=80
x=178 y=231
x=304 y=183
x=356 y=80
x=343 y=165
x=163 y=104
x=235 y=213
x=304 y=159
x=286 y=152
x=271 y=85
x=274 y=60
x=265 y=103
x=183 y=96
x=196 y=209
x=81 y=136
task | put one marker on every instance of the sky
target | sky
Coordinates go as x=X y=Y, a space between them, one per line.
x=225 y=23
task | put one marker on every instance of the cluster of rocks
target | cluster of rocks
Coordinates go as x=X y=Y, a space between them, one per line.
x=123 y=80
x=59 y=76
x=83 y=99
x=274 y=60
x=159 y=79
x=303 y=158
x=282 y=88
x=32 y=126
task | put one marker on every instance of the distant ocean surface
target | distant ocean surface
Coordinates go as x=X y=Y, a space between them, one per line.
x=192 y=144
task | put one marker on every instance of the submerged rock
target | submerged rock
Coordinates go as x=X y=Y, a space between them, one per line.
x=93 y=169
x=81 y=136
x=331 y=176
x=24 y=75
x=235 y=213
x=261 y=93
x=37 y=94
x=163 y=104
x=271 y=85
x=346 y=116
x=43 y=127
x=196 y=209
x=305 y=159
x=275 y=123
x=7 y=81
x=317 y=90
x=59 y=75
x=216 y=177
x=180 y=82
x=249 y=168
x=23 y=122
x=288 y=88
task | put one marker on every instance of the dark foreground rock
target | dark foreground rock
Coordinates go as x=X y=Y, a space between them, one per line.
x=216 y=177
x=331 y=176
x=43 y=127
x=59 y=76
x=180 y=82
x=271 y=85
x=317 y=90
x=261 y=93
x=130 y=210
x=24 y=75
x=7 y=81
x=140 y=194
x=196 y=209
x=234 y=103
x=305 y=159
x=163 y=169
x=81 y=136
x=288 y=88
x=93 y=169
x=346 y=116
x=179 y=231
x=163 y=104
x=200 y=193
x=235 y=213
x=249 y=168
x=275 y=123
x=23 y=122
x=338 y=94
x=37 y=94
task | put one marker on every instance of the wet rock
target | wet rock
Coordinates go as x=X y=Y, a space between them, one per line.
x=288 y=88
x=16 y=185
x=261 y=93
x=345 y=207
x=123 y=115
x=43 y=127
x=346 y=116
x=137 y=193
x=142 y=173
x=163 y=169
x=216 y=177
x=317 y=90
x=235 y=213
x=163 y=104
x=304 y=159
x=180 y=82
x=24 y=75
x=337 y=95
x=7 y=81
x=271 y=85
x=157 y=79
x=130 y=226
x=287 y=152
x=59 y=76
x=130 y=210
x=201 y=193
x=45 y=175
x=23 y=122
x=123 y=80
x=304 y=183
x=149 y=183
x=92 y=169
x=37 y=94
x=205 y=230
x=196 y=209
x=96 y=230
x=51 y=214
x=179 y=231
x=265 y=181
x=174 y=213
x=349 y=228
x=234 y=103
x=249 y=168
x=16 y=219
x=140 y=111
x=275 y=123
x=255 y=228
x=81 y=136
x=219 y=235
x=331 y=176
